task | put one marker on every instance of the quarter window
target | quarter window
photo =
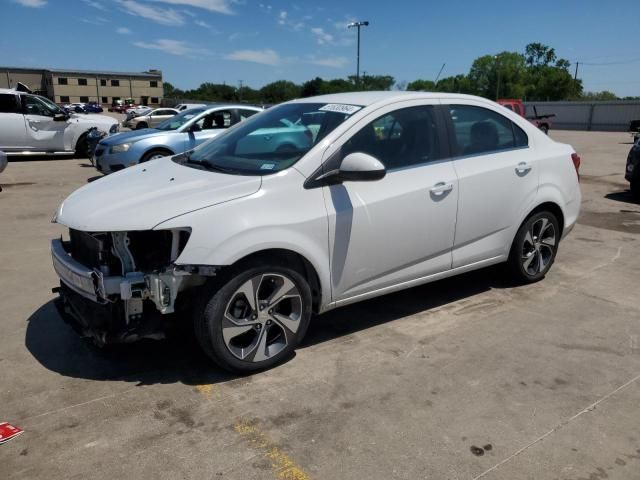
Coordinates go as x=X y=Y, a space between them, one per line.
x=8 y=103
x=244 y=114
x=403 y=138
x=479 y=130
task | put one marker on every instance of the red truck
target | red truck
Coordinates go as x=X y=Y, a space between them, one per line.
x=543 y=122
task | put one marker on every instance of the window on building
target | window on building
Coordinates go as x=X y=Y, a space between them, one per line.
x=82 y=81
x=64 y=99
x=115 y=83
x=153 y=84
x=84 y=99
x=8 y=103
x=480 y=130
x=103 y=83
x=154 y=99
x=62 y=81
x=105 y=99
x=115 y=99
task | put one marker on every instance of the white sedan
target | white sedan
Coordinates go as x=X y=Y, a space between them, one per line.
x=150 y=119
x=375 y=192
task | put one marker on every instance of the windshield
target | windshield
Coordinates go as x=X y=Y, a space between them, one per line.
x=180 y=119
x=270 y=141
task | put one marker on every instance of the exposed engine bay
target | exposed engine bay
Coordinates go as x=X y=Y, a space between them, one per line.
x=119 y=286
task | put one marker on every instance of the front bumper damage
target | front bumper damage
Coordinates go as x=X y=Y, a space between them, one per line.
x=118 y=308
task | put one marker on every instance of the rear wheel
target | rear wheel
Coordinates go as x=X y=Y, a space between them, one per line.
x=82 y=147
x=534 y=248
x=254 y=320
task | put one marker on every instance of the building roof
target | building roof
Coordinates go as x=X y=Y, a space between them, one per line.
x=149 y=74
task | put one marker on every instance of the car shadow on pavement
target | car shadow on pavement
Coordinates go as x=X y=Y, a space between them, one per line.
x=624 y=197
x=58 y=347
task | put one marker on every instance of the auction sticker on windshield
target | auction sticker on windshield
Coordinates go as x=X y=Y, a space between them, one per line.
x=340 y=108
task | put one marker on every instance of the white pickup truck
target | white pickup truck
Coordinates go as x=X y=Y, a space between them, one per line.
x=31 y=124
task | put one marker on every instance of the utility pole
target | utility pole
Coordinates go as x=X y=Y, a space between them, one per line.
x=439 y=73
x=575 y=77
x=358 y=25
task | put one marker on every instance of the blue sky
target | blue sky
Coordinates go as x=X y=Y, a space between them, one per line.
x=259 y=41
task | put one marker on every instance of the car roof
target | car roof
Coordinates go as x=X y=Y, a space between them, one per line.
x=369 y=98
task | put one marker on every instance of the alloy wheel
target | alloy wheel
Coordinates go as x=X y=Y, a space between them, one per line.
x=538 y=246
x=262 y=317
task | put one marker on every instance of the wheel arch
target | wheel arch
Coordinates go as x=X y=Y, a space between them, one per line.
x=548 y=206
x=156 y=148
x=285 y=257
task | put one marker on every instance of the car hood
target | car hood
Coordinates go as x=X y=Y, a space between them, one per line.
x=143 y=196
x=93 y=119
x=133 y=136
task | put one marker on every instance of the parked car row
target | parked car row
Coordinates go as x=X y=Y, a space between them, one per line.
x=90 y=107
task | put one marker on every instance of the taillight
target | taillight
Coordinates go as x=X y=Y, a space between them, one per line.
x=575 y=158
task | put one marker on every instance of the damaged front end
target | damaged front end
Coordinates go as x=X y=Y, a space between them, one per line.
x=119 y=287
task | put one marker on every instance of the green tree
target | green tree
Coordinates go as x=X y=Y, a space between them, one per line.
x=599 y=96
x=280 y=91
x=421 y=86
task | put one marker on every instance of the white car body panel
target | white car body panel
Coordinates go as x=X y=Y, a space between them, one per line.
x=362 y=238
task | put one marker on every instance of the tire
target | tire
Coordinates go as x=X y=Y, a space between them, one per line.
x=532 y=254
x=82 y=148
x=141 y=125
x=242 y=338
x=544 y=129
x=153 y=154
x=635 y=187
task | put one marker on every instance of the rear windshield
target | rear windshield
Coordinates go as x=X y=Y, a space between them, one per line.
x=270 y=141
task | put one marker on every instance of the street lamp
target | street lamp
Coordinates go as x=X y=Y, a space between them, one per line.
x=497 y=59
x=358 y=25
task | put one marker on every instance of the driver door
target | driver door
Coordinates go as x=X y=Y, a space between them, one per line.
x=44 y=134
x=401 y=228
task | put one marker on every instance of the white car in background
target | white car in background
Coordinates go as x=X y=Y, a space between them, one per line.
x=150 y=119
x=186 y=106
x=31 y=124
x=137 y=111
x=375 y=192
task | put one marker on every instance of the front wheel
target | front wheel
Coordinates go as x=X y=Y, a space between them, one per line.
x=534 y=248
x=141 y=125
x=254 y=320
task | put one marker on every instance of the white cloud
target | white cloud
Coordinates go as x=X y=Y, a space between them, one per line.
x=94 y=4
x=164 y=16
x=265 y=57
x=282 y=18
x=218 y=6
x=333 y=62
x=202 y=24
x=322 y=37
x=94 y=20
x=173 y=47
x=123 y=31
x=32 y=3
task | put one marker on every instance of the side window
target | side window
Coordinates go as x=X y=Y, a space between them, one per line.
x=8 y=103
x=244 y=114
x=34 y=106
x=219 y=119
x=479 y=130
x=406 y=137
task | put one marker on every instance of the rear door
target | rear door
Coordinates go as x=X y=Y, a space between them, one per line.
x=498 y=180
x=13 y=134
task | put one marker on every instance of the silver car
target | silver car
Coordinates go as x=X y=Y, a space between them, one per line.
x=151 y=119
x=178 y=134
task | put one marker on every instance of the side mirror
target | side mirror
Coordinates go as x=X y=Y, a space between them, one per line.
x=60 y=117
x=361 y=167
x=195 y=128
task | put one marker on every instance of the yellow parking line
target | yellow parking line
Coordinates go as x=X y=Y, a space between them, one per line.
x=284 y=468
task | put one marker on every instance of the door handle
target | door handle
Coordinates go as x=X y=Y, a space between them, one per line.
x=523 y=168
x=441 y=188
